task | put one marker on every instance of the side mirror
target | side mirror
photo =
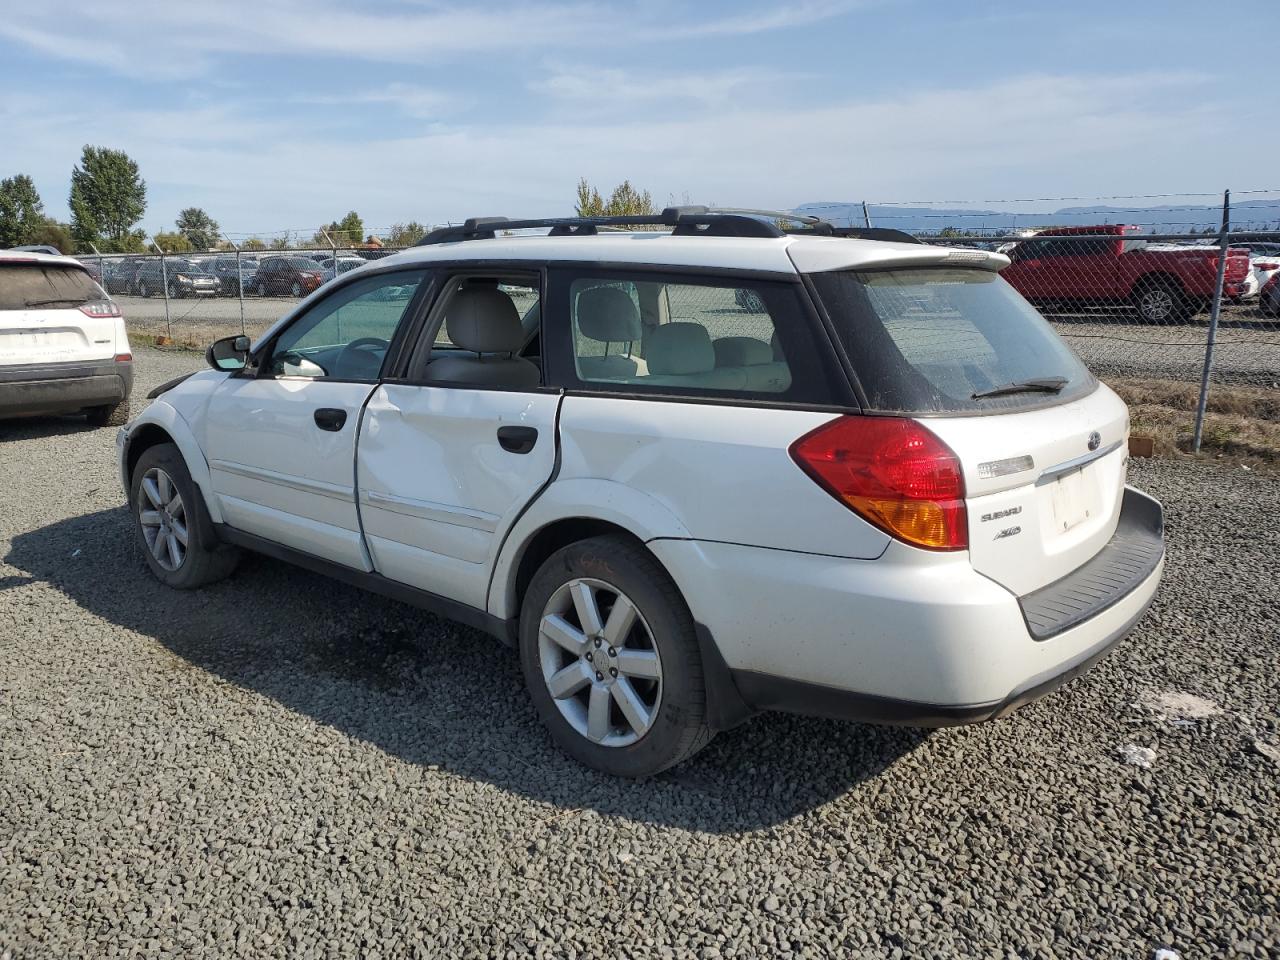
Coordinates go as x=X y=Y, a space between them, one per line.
x=228 y=354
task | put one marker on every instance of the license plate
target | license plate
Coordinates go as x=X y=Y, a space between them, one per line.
x=1070 y=503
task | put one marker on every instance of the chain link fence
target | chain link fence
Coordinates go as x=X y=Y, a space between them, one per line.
x=1172 y=295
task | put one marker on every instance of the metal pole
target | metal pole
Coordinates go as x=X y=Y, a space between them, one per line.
x=1223 y=247
x=866 y=214
x=239 y=279
x=164 y=278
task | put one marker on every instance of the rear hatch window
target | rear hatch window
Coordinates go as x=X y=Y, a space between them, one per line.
x=45 y=286
x=948 y=340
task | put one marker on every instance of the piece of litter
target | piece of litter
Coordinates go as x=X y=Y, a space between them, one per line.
x=1164 y=953
x=1269 y=750
x=75 y=552
x=1137 y=756
x=625 y=857
x=1176 y=705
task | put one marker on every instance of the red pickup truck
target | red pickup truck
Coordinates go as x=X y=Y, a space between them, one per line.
x=1108 y=266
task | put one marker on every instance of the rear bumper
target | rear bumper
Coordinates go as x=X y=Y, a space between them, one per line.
x=910 y=639
x=33 y=389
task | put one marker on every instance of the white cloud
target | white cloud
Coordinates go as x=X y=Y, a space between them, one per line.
x=169 y=40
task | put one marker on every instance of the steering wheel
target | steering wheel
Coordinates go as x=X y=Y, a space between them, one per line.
x=359 y=351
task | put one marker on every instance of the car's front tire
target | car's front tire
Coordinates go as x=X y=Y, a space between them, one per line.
x=296 y=289
x=262 y=289
x=170 y=522
x=611 y=659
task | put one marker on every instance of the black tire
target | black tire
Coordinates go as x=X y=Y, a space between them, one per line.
x=206 y=559
x=108 y=415
x=262 y=289
x=1162 y=301
x=679 y=729
x=142 y=289
x=173 y=292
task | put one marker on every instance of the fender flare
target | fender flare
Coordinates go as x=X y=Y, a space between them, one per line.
x=641 y=515
x=167 y=418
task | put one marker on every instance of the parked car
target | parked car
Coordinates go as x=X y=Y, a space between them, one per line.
x=1076 y=267
x=232 y=273
x=889 y=493
x=63 y=346
x=344 y=264
x=293 y=275
x=1264 y=262
x=118 y=274
x=1269 y=297
x=185 y=278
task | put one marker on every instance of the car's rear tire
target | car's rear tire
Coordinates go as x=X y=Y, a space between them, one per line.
x=262 y=289
x=108 y=415
x=296 y=289
x=1162 y=301
x=605 y=627
x=171 y=522
x=143 y=291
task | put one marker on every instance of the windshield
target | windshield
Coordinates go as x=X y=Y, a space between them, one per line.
x=25 y=286
x=939 y=340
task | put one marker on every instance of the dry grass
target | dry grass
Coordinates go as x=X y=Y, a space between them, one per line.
x=1241 y=423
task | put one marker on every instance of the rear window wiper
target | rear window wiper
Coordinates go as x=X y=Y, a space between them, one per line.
x=45 y=303
x=1038 y=385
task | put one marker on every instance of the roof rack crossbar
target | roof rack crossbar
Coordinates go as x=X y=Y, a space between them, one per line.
x=684 y=221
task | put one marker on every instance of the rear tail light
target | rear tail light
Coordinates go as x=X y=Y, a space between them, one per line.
x=892 y=472
x=123 y=358
x=1267 y=265
x=100 y=308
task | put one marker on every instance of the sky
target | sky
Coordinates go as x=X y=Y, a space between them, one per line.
x=283 y=114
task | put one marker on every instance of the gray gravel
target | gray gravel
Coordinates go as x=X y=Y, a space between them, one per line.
x=281 y=766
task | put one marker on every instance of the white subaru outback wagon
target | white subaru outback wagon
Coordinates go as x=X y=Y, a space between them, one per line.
x=689 y=473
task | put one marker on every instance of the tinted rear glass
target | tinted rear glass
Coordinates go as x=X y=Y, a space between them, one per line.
x=927 y=340
x=23 y=286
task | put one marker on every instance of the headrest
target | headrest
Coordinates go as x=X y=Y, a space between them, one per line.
x=741 y=352
x=484 y=319
x=677 y=349
x=609 y=315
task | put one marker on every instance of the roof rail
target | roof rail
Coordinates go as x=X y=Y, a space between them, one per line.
x=824 y=229
x=684 y=221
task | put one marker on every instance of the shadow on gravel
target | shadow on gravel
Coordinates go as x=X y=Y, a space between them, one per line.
x=433 y=693
x=36 y=428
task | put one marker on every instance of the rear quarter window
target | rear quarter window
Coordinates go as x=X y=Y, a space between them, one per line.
x=926 y=340
x=38 y=286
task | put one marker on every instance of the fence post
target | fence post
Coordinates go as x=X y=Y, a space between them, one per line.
x=866 y=215
x=164 y=279
x=1223 y=247
x=239 y=279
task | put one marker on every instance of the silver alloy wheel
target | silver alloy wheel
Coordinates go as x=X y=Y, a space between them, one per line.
x=600 y=662
x=1156 y=304
x=296 y=289
x=164 y=519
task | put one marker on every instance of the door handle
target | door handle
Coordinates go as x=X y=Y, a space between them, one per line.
x=330 y=418
x=517 y=439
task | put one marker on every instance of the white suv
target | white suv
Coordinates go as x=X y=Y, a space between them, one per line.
x=63 y=346
x=690 y=474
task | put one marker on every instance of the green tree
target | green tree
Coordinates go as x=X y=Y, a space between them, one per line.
x=107 y=198
x=405 y=234
x=624 y=201
x=348 y=230
x=173 y=242
x=200 y=229
x=21 y=211
x=279 y=243
x=53 y=233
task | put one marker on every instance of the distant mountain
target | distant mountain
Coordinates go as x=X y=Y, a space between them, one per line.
x=1169 y=218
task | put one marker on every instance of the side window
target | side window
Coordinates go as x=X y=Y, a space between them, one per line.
x=346 y=335
x=675 y=336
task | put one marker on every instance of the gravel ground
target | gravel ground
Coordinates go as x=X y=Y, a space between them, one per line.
x=281 y=766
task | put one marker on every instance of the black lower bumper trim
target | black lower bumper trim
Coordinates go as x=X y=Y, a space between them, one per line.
x=1107 y=578
x=50 y=388
x=765 y=692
